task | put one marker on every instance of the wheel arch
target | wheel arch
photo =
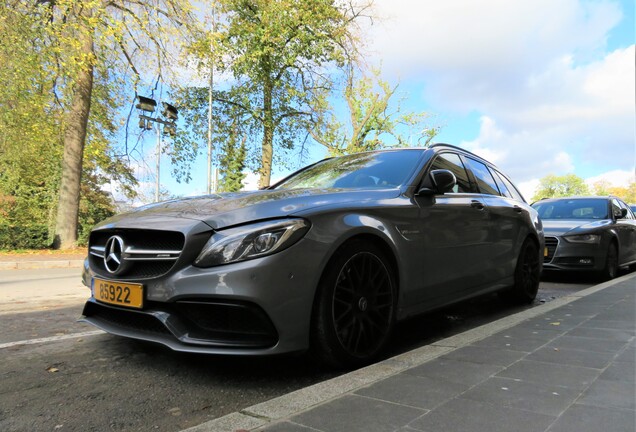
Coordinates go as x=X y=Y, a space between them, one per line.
x=369 y=237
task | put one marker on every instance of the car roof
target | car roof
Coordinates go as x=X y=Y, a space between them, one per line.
x=578 y=197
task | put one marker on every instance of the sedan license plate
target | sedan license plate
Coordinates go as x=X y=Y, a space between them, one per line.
x=119 y=293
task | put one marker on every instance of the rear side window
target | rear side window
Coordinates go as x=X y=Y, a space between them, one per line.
x=616 y=208
x=511 y=188
x=629 y=214
x=485 y=181
x=501 y=185
x=452 y=162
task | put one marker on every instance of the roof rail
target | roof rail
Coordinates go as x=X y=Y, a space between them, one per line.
x=457 y=148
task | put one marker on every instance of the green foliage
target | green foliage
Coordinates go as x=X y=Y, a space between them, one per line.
x=42 y=55
x=373 y=117
x=24 y=237
x=552 y=186
x=232 y=165
x=604 y=188
x=280 y=55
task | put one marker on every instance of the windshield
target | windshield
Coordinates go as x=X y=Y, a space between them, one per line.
x=572 y=209
x=380 y=170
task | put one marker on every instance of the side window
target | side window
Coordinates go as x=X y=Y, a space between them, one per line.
x=616 y=208
x=452 y=162
x=629 y=215
x=511 y=188
x=485 y=181
x=501 y=185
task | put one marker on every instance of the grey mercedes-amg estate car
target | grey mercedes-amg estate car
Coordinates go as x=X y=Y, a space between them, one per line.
x=328 y=259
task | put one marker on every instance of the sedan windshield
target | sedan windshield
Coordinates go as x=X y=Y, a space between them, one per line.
x=388 y=169
x=572 y=209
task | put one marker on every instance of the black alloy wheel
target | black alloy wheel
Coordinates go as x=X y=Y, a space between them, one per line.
x=611 y=263
x=356 y=306
x=527 y=275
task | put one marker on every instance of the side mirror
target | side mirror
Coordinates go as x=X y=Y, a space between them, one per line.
x=438 y=182
x=623 y=213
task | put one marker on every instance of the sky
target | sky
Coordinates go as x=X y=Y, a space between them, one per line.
x=537 y=87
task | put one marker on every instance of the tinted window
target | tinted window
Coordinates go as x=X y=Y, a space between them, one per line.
x=452 y=162
x=501 y=185
x=485 y=182
x=388 y=169
x=629 y=211
x=616 y=209
x=572 y=209
x=511 y=188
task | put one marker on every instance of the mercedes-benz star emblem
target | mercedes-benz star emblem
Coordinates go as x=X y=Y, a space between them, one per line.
x=113 y=254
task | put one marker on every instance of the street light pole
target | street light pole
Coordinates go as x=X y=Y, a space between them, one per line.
x=158 y=162
x=170 y=116
x=210 y=100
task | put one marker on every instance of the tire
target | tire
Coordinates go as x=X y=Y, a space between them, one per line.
x=354 y=311
x=610 y=271
x=526 y=277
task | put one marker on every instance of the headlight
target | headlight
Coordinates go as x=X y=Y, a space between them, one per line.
x=583 y=238
x=251 y=241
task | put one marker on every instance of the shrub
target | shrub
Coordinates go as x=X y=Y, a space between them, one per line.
x=24 y=237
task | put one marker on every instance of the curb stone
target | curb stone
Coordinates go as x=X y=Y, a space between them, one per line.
x=24 y=265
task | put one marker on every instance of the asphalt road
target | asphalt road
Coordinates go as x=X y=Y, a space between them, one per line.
x=69 y=377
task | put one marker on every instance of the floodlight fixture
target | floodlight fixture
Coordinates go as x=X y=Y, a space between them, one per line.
x=170 y=129
x=144 y=124
x=146 y=104
x=169 y=112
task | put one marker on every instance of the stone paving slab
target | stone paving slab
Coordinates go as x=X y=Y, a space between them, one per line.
x=559 y=367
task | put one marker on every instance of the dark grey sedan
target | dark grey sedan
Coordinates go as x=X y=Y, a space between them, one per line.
x=328 y=259
x=588 y=234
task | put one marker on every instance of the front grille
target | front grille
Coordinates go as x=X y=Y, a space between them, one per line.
x=551 y=244
x=147 y=253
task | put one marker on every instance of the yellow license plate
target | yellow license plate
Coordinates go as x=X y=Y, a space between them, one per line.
x=545 y=252
x=119 y=293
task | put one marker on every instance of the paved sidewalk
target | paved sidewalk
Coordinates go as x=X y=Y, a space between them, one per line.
x=566 y=366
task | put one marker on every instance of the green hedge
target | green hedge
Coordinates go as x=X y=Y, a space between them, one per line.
x=24 y=237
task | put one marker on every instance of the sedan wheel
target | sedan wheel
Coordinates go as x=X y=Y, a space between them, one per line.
x=611 y=263
x=355 y=312
x=527 y=275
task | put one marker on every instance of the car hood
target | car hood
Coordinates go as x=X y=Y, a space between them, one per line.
x=572 y=226
x=228 y=209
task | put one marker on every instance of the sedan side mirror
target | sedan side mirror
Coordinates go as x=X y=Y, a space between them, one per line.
x=623 y=214
x=438 y=182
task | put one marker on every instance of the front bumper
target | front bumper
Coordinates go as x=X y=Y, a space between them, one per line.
x=565 y=256
x=260 y=307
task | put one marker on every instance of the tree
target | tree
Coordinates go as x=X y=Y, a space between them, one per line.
x=232 y=164
x=552 y=186
x=108 y=40
x=280 y=54
x=627 y=194
x=372 y=114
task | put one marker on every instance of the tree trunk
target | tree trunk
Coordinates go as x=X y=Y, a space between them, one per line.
x=74 y=139
x=267 y=151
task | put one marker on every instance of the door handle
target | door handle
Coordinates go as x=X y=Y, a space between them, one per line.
x=477 y=205
x=517 y=209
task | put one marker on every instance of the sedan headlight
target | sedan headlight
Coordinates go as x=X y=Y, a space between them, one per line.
x=583 y=238
x=251 y=241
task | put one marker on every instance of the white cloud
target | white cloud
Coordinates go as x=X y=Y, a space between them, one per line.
x=550 y=97
x=615 y=178
x=471 y=42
